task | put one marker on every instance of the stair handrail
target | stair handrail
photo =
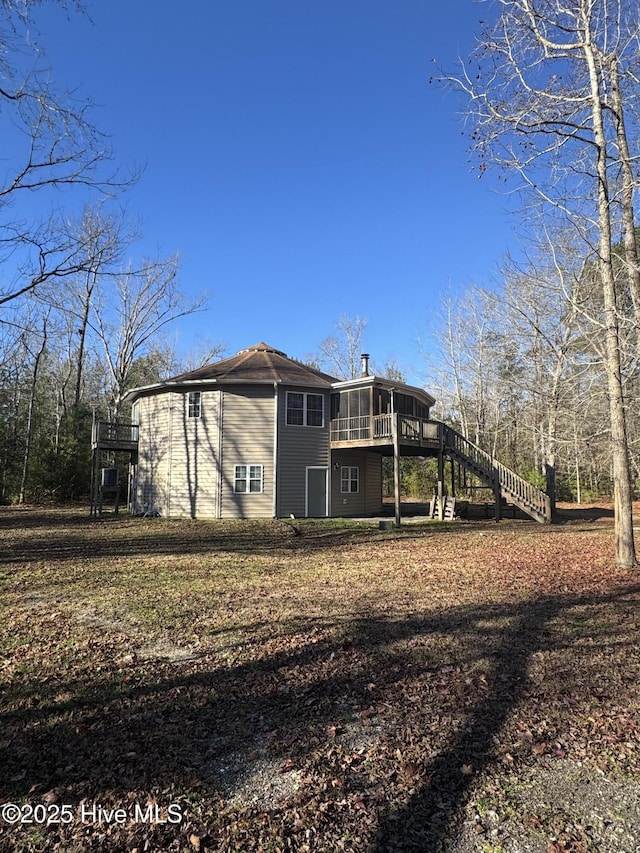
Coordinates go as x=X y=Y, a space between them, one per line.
x=509 y=481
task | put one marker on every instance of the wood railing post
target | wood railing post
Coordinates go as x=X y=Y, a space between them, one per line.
x=530 y=499
x=395 y=428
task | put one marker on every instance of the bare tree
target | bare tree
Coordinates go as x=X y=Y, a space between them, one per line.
x=51 y=145
x=203 y=352
x=105 y=240
x=543 y=316
x=541 y=106
x=144 y=302
x=340 y=354
x=465 y=361
x=37 y=355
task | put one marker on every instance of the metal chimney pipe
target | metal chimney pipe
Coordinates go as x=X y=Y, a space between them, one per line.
x=365 y=364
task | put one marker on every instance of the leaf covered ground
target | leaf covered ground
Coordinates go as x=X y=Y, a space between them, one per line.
x=255 y=686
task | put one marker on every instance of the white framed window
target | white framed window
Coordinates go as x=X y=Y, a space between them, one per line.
x=194 y=404
x=349 y=479
x=315 y=410
x=249 y=479
x=305 y=409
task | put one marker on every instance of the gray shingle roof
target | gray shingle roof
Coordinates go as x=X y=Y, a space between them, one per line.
x=259 y=363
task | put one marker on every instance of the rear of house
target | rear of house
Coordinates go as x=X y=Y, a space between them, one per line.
x=247 y=437
x=260 y=435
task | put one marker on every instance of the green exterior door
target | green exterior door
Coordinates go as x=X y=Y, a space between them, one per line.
x=317 y=505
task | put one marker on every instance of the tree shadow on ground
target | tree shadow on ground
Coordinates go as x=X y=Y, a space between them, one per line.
x=66 y=537
x=431 y=693
x=582 y=514
x=425 y=821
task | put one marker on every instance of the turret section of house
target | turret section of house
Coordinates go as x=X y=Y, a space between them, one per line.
x=245 y=437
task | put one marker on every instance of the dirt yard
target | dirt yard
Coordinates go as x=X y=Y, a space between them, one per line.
x=165 y=685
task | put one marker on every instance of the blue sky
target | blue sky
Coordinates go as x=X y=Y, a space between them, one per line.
x=297 y=157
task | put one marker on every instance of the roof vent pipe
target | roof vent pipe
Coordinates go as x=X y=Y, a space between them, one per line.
x=365 y=364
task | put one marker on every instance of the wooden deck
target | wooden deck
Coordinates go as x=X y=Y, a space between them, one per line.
x=420 y=437
x=377 y=431
x=109 y=435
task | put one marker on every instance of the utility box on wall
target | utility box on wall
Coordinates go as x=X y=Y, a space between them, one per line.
x=109 y=481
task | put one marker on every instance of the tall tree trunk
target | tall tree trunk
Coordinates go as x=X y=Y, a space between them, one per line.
x=632 y=261
x=30 y=415
x=623 y=495
x=82 y=333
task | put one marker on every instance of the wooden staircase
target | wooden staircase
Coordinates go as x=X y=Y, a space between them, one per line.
x=505 y=482
x=448 y=508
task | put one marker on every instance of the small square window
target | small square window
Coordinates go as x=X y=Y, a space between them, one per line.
x=195 y=405
x=248 y=479
x=349 y=479
x=255 y=478
x=241 y=478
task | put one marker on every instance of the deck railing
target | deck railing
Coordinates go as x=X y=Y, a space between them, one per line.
x=351 y=429
x=114 y=432
x=418 y=429
x=433 y=434
x=380 y=427
x=513 y=487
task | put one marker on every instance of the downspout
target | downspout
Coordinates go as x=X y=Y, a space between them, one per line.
x=275 y=449
x=220 y=451
x=168 y=484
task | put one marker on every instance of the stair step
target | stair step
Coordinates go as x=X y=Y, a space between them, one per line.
x=482 y=465
x=448 y=510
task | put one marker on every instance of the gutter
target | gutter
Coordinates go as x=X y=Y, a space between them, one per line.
x=134 y=393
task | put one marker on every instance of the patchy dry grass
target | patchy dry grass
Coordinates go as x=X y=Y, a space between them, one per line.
x=329 y=687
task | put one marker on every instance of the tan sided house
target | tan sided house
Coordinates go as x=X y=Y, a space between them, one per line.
x=260 y=435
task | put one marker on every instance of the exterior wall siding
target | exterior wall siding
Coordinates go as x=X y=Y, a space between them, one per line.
x=186 y=466
x=247 y=423
x=299 y=448
x=373 y=499
x=368 y=499
x=153 y=454
x=192 y=488
x=177 y=470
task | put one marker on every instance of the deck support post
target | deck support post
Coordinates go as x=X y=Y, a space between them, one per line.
x=550 y=489
x=395 y=426
x=95 y=482
x=441 y=476
x=107 y=439
x=92 y=493
x=497 y=491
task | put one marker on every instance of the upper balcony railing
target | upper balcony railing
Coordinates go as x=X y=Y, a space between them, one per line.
x=116 y=434
x=379 y=429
